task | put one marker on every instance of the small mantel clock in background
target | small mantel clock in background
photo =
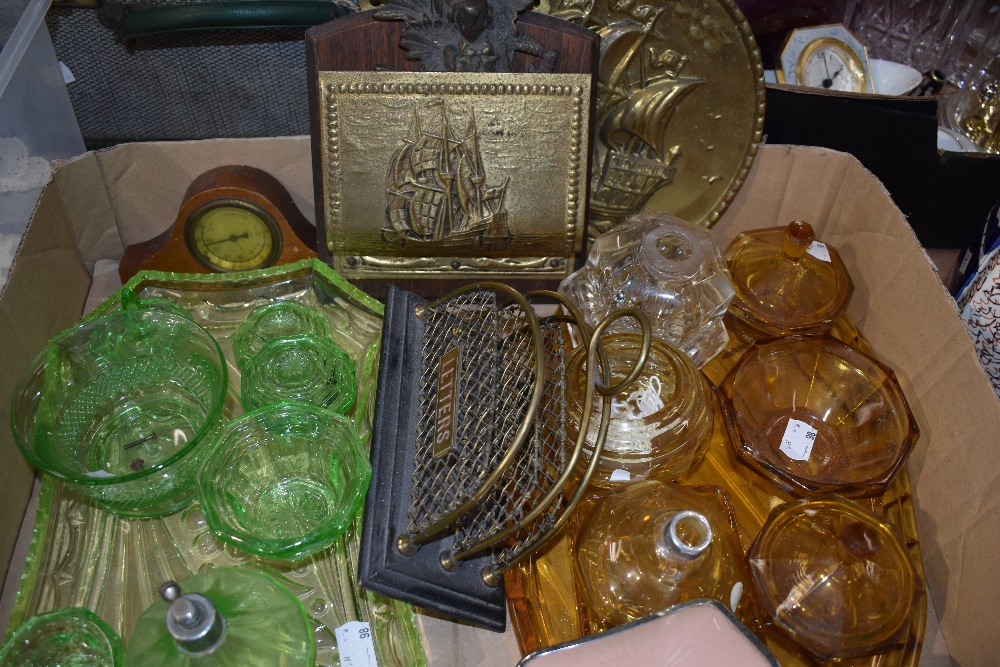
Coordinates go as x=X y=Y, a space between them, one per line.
x=232 y=218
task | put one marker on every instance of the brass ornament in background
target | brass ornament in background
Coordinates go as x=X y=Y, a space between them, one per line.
x=465 y=35
x=979 y=116
x=441 y=174
x=680 y=106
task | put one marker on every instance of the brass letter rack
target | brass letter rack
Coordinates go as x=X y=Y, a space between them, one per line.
x=472 y=466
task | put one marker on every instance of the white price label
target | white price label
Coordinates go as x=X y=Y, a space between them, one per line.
x=355 y=644
x=819 y=251
x=619 y=475
x=798 y=440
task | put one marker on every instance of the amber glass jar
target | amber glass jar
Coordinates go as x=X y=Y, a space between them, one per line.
x=785 y=282
x=833 y=577
x=644 y=439
x=654 y=544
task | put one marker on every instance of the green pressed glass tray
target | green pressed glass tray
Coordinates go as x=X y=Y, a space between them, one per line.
x=82 y=556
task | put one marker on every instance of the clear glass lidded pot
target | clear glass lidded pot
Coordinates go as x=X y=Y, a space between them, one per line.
x=660 y=426
x=671 y=270
x=654 y=544
x=786 y=282
x=833 y=577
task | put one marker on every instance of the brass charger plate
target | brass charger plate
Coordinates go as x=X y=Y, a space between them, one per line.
x=680 y=84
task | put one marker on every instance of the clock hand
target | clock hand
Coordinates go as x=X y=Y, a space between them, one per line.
x=828 y=81
x=232 y=238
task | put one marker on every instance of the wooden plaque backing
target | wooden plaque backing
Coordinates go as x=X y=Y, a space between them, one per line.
x=360 y=43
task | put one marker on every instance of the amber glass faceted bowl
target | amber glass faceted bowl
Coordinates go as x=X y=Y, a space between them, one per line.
x=785 y=283
x=816 y=415
x=665 y=442
x=833 y=577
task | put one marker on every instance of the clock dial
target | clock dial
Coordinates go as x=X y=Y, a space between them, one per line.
x=828 y=64
x=233 y=235
x=232 y=218
x=829 y=57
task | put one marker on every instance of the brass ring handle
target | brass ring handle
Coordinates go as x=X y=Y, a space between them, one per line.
x=640 y=364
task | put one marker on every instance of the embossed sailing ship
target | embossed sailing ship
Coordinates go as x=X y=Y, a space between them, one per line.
x=639 y=88
x=437 y=192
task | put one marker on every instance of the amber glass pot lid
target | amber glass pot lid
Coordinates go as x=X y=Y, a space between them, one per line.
x=786 y=281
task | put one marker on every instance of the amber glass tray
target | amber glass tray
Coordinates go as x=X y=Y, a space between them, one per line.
x=542 y=594
x=80 y=555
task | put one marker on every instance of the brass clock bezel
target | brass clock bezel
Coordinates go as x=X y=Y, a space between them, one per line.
x=191 y=224
x=804 y=42
x=846 y=53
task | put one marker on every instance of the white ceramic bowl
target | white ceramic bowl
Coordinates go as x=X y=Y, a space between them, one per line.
x=894 y=78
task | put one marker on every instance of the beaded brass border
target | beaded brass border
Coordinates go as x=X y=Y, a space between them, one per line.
x=522 y=119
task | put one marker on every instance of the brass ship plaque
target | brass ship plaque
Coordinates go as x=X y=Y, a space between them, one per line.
x=472 y=175
x=680 y=106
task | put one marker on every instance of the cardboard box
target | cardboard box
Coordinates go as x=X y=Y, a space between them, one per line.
x=102 y=201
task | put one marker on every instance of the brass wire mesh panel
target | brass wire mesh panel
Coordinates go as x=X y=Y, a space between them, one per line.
x=519 y=496
x=473 y=466
x=497 y=380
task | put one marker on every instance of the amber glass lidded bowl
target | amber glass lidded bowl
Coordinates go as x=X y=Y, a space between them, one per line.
x=816 y=415
x=833 y=577
x=643 y=439
x=785 y=282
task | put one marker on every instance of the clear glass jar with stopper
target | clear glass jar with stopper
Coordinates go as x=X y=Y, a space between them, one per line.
x=786 y=282
x=226 y=618
x=652 y=545
x=671 y=270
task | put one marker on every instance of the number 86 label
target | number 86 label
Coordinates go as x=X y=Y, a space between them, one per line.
x=354 y=642
x=798 y=439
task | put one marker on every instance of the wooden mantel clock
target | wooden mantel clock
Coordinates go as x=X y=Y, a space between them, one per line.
x=233 y=218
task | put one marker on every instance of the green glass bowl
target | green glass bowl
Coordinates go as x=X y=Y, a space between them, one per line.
x=300 y=368
x=73 y=637
x=121 y=406
x=284 y=481
x=279 y=319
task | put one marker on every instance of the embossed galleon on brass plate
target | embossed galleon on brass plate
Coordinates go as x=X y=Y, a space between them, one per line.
x=680 y=106
x=453 y=174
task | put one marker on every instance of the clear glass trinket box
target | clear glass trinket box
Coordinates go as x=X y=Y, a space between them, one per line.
x=671 y=270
